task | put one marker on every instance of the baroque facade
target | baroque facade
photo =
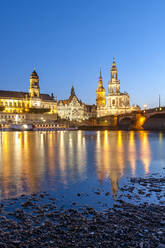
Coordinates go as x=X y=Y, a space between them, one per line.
x=100 y=92
x=74 y=109
x=116 y=102
x=16 y=103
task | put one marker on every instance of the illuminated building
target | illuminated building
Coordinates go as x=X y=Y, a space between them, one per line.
x=100 y=93
x=116 y=102
x=17 y=106
x=74 y=109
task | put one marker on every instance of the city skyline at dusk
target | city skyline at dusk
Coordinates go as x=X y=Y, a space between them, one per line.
x=68 y=41
x=82 y=123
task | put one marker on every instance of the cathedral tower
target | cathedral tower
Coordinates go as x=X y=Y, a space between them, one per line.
x=100 y=93
x=34 y=90
x=114 y=83
x=117 y=102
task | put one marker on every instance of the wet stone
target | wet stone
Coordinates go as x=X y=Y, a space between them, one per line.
x=40 y=223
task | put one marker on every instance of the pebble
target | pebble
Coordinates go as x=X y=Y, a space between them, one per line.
x=125 y=225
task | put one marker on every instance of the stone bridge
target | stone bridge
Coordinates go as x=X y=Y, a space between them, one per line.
x=134 y=120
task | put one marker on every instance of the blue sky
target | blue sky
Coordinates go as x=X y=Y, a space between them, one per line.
x=67 y=41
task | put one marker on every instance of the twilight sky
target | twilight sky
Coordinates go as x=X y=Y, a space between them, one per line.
x=67 y=41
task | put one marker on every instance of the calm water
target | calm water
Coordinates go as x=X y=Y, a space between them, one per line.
x=66 y=163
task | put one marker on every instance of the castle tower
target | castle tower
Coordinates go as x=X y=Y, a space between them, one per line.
x=34 y=90
x=100 y=93
x=114 y=83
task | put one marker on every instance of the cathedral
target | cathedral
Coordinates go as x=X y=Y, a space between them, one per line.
x=115 y=102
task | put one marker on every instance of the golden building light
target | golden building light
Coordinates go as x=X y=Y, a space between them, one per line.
x=22 y=103
x=100 y=93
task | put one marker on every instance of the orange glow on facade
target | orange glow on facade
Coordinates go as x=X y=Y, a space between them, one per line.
x=100 y=93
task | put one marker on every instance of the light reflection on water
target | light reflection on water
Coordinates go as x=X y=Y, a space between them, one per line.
x=34 y=161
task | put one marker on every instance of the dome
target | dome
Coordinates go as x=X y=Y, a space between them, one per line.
x=34 y=74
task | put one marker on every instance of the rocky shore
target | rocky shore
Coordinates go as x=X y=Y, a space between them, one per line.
x=30 y=221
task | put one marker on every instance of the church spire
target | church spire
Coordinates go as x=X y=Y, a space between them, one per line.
x=100 y=73
x=114 y=64
x=72 y=91
x=100 y=79
x=100 y=92
x=114 y=83
x=114 y=69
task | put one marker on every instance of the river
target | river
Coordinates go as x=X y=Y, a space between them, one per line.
x=77 y=165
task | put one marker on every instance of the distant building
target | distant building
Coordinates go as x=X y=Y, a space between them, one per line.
x=100 y=93
x=20 y=104
x=74 y=109
x=116 y=102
